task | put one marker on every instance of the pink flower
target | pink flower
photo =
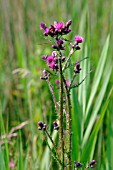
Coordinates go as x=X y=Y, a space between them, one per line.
x=11 y=164
x=50 y=59
x=57 y=81
x=58 y=25
x=78 y=39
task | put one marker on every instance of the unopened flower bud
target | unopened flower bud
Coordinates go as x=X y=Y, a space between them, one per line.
x=92 y=163
x=56 y=126
x=78 y=164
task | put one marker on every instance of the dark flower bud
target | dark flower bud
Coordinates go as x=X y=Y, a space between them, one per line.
x=63 y=58
x=44 y=126
x=44 y=77
x=40 y=125
x=44 y=57
x=78 y=164
x=77 y=68
x=77 y=47
x=45 y=72
x=42 y=26
x=68 y=23
x=60 y=42
x=55 y=47
x=92 y=163
x=56 y=126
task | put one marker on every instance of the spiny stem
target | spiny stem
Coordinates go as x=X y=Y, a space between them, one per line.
x=69 y=124
x=61 y=113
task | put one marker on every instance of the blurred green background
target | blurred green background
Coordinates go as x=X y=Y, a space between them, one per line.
x=23 y=96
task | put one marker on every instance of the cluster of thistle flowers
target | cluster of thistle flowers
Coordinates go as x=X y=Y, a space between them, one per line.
x=58 y=30
x=90 y=165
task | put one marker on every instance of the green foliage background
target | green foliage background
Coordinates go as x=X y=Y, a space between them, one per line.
x=24 y=97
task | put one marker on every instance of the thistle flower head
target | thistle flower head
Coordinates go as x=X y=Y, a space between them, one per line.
x=78 y=39
x=58 y=28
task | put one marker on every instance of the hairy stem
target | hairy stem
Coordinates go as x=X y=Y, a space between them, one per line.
x=61 y=113
x=69 y=121
x=55 y=155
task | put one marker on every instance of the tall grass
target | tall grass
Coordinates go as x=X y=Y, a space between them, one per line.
x=24 y=97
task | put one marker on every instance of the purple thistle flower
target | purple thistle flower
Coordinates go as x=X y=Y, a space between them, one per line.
x=46 y=30
x=56 y=29
x=78 y=39
x=58 y=26
x=53 y=66
x=57 y=81
x=50 y=59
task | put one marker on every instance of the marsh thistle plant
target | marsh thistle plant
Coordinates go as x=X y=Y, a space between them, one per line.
x=58 y=64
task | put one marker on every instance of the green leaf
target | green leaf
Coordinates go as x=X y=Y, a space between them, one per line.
x=91 y=141
x=98 y=75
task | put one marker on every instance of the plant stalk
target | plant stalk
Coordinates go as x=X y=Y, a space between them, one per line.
x=69 y=121
x=61 y=113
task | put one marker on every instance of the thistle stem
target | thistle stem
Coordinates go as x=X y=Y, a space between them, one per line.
x=55 y=149
x=61 y=113
x=50 y=139
x=69 y=125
